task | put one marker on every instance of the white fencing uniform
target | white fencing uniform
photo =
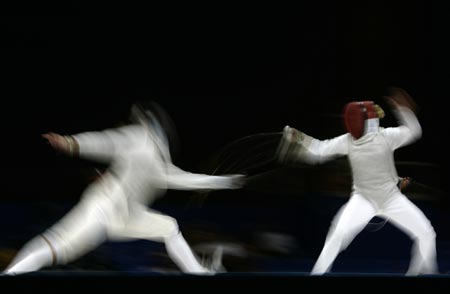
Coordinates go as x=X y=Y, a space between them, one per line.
x=374 y=190
x=115 y=207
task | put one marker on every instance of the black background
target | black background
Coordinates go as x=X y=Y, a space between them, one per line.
x=222 y=73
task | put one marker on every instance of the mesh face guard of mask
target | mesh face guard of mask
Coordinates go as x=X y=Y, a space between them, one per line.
x=359 y=116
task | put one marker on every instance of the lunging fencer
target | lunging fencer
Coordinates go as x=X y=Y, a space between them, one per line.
x=115 y=207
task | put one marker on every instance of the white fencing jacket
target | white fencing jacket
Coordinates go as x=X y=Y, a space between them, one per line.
x=371 y=156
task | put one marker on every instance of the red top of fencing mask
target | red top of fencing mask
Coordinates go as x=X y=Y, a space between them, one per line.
x=355 y=114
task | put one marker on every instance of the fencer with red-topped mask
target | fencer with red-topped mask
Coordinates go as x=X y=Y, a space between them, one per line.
x=375 y=192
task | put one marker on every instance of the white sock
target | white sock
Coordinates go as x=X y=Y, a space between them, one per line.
x=180 y=252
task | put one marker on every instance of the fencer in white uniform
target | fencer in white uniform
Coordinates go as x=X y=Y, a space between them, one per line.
x=116 y=207
x=370 y=151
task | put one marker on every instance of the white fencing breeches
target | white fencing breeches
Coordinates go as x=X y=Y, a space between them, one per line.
x=358 y=211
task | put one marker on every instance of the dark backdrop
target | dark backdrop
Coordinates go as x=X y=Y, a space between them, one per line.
x=222 y=73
